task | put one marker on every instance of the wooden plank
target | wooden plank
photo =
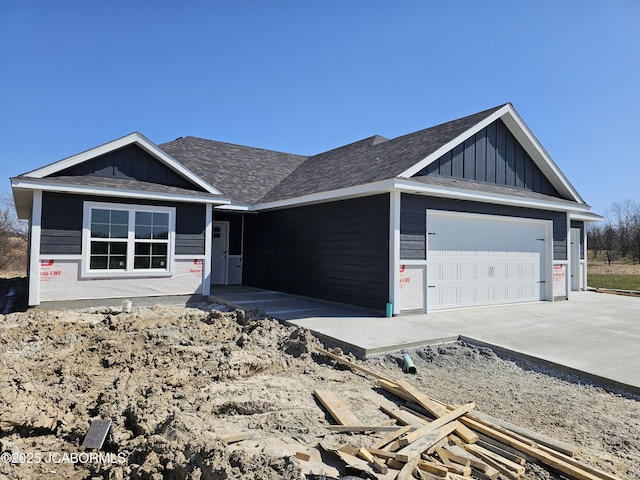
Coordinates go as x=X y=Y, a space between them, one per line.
x=337 y=408
x=432 y=468
x=548 y=459
x=404 y=417
x=378 y=465
x=493 y=463
x=460 y=455
x=503 y=453
x=352 y=365
x=562 y=447
x=572 y=461
x=440 y=422
x=435 y=409
x=391 y=437
x=393 y=388
x=414 y=450
x=406 y=473
x=516 y=467
x=362 y=428
x=381 y=453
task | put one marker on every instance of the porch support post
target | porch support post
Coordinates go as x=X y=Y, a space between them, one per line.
x=570 y=267
x=34 y=249
x=394 y=250
x=208 y=239
x=585 y=253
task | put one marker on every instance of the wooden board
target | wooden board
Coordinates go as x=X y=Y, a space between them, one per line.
x=562 y=447
x=414 y=450
x=435 y=409
x=337 y=408
x=440 y=422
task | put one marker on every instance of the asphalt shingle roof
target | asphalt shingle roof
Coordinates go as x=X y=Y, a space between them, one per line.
x=245 y=174
x=369 y=160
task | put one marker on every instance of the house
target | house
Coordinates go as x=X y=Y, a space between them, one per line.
x=470 y=212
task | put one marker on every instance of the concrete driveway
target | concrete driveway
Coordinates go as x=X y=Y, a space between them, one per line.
x=593 y=335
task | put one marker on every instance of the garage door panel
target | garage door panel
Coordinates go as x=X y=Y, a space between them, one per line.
x=499 y=260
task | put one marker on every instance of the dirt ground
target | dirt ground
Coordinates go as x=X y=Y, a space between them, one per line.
x=174 y=381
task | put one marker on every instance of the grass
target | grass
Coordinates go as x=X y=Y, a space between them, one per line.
x=616 y=282
x=622 y=274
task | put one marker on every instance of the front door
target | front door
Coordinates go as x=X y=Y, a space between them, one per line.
x=220 y=253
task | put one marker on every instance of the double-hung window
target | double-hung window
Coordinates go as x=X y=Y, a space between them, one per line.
x=122 y=239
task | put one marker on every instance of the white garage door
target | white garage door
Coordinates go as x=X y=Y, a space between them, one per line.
x=484 y=260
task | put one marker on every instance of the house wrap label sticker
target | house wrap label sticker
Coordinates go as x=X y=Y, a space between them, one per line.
x=411 y=287
x=559 y=283
x=49 y=271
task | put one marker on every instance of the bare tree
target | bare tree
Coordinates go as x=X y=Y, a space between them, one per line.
x=609 y=242
x=622 y=215
x=594 y=234
x=13 y=236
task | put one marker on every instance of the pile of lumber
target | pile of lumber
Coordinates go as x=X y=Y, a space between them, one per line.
x=433 y=440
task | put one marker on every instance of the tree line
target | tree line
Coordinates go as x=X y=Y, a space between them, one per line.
x=13 y=237
x=618 y=237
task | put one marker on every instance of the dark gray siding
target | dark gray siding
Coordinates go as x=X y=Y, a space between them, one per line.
x=130 y=162
x=493 y=155
x=337 y=251
x=413 y=222
x=61 y=230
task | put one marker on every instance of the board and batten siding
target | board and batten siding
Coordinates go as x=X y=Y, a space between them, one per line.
x=130 y=162
x=493 y=155
x=336 y=251
x=61 y=230
x=413 y=222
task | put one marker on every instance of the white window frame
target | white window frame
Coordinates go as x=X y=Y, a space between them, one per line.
x=129 y=271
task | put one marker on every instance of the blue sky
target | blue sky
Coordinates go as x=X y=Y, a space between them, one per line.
x=307 y=76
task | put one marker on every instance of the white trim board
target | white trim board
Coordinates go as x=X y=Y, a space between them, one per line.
x=131 y=139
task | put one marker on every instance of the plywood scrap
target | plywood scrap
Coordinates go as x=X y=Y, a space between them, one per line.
x=337 y=408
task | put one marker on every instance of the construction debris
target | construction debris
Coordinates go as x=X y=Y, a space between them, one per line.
x=206 y=393
x=449 y=445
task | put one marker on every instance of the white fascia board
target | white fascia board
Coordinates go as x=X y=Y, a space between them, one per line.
x=132 y=138
x=321 y=197
x=48 y=186
x=526 y=138
x=234 y=208
x=495 y=198
x=453 y=143
x=586 y=217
